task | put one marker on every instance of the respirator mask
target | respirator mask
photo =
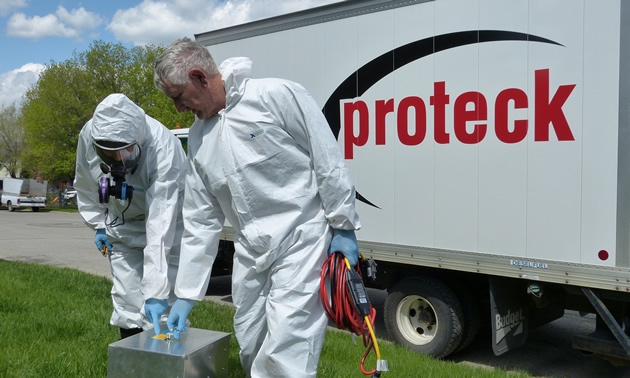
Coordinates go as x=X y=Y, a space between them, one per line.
x=119 y=159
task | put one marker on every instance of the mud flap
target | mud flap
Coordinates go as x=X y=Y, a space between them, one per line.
x=510 y=317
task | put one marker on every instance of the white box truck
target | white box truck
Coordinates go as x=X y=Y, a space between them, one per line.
x=489 y=143
x=17 y=193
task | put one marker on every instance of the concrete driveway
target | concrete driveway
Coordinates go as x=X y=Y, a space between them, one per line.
x=52 y=238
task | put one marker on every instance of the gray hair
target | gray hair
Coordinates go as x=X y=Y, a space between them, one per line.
x=178 y=59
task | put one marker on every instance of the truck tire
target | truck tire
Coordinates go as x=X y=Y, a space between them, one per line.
x=10 y=206
x=35 y=209
x=424 y=315
x=472 y=317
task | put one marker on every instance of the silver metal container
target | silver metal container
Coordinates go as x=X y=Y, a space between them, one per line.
x=197 y=353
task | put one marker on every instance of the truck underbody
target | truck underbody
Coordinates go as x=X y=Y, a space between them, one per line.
x=439 y=312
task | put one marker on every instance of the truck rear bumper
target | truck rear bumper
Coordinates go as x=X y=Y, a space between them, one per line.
x=30 y=204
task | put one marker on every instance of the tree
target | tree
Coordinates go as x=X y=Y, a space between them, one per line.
x=11 y=139
x=66 y=94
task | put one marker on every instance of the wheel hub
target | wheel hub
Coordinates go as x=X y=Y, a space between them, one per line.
x=417 y=320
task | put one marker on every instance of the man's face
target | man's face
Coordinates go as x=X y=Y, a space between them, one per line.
x=202 y=96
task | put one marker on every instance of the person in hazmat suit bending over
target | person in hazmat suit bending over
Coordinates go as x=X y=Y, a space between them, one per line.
x=261 y=156
x=130 y=173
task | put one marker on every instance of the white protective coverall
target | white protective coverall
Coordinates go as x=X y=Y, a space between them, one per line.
x=145 y=251
x=270 y=165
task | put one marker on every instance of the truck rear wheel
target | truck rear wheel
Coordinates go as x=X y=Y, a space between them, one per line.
x=10 y=206
x=472 y=317
x=424 y=315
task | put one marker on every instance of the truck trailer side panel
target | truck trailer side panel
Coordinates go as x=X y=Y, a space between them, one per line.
x=506 y=143
x=485 y=137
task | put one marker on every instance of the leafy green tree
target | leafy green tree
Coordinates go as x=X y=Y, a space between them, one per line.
x=11 y=139
x=66 y=94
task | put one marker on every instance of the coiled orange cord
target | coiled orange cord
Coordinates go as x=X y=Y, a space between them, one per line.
x=340 y=308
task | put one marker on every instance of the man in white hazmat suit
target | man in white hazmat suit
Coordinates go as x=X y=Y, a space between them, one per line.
x=138 y=219
x=262 y=156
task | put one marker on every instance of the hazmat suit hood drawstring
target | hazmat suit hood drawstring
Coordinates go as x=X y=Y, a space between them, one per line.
x=118 y=119
x=234 y=73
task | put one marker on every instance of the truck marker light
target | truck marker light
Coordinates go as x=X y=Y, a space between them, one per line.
x=603 y=255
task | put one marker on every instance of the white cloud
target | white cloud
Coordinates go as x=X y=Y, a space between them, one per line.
x=14 y=84
x=79 y=19
x=8 y=5
x=61 y=24
x=37 y=27
x=161 y=22
x=151 y=23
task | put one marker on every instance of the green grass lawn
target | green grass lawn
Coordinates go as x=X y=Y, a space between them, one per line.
x=54 y=322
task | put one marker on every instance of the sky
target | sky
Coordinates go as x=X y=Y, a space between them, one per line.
x=36 y=33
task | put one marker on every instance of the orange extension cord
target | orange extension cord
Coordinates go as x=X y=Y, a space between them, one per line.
x=340 y=308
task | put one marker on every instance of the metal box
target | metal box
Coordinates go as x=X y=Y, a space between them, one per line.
x=197 y=353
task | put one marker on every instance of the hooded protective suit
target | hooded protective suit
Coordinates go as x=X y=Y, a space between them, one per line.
x=146 y=246
x=269 y=164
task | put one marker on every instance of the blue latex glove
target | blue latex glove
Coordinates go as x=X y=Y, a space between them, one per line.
x=154 y=308
x=345 y=241
x=101 y=241
x=176 y=321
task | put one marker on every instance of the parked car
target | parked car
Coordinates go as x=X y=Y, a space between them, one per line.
x=70 y=194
